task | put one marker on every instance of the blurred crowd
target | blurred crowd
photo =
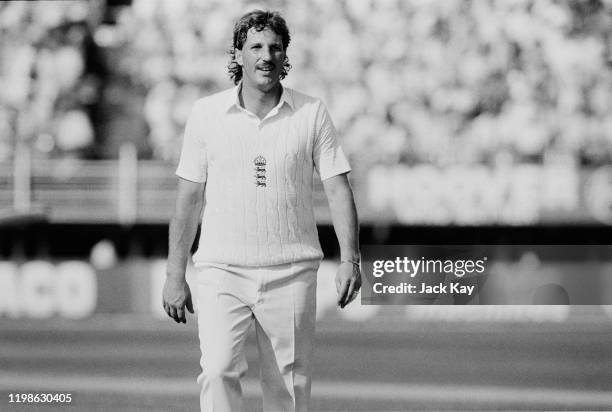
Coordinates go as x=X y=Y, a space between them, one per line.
x=420 y=81
x=50 y=77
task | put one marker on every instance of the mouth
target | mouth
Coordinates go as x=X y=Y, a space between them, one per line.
x=266 y=69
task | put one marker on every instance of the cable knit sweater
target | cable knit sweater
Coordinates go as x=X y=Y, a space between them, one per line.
x=259 y=177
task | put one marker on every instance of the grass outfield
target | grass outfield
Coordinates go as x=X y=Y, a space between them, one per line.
x=121 y=394
x=135 y=364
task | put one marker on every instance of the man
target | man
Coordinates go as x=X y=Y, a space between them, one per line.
x=247 y=161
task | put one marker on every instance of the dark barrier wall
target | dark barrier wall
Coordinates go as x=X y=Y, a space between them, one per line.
x=77 y=240
x=76 y=271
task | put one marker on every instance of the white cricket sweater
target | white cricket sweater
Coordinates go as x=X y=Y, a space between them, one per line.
x=259 y=177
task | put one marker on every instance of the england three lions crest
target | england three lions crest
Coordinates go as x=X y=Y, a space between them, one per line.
x=260 y=171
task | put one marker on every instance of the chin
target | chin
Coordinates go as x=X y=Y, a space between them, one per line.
x=267 y=84
x=262 y=83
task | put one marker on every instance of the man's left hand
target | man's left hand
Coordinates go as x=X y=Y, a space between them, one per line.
x=348 y=283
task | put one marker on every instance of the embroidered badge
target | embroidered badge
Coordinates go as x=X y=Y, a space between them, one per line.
x=260 y=171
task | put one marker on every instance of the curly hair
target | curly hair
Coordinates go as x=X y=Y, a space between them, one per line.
x=259 y=20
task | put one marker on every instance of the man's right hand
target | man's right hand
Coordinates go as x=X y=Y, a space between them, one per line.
x=177 y=297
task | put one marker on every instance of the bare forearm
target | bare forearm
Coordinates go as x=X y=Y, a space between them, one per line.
x=183 y=227
x=181 y=235
x=344 y=218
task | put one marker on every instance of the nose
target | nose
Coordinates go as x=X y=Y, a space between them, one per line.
x=266 y=55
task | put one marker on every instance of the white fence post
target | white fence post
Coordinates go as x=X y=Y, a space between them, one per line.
x=22 y=179
x=128 y=183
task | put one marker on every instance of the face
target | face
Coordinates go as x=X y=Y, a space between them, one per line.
x=262 y=57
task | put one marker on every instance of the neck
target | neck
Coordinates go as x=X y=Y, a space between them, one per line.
x=258 y=101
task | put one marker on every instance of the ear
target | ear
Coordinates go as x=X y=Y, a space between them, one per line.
x=238 y=54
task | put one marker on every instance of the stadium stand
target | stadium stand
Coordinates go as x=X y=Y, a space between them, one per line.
x=442 y=84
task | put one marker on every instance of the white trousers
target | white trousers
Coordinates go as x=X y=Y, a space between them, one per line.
x=281 y=301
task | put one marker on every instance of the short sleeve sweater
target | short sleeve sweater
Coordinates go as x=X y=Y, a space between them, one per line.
x=259 y=177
